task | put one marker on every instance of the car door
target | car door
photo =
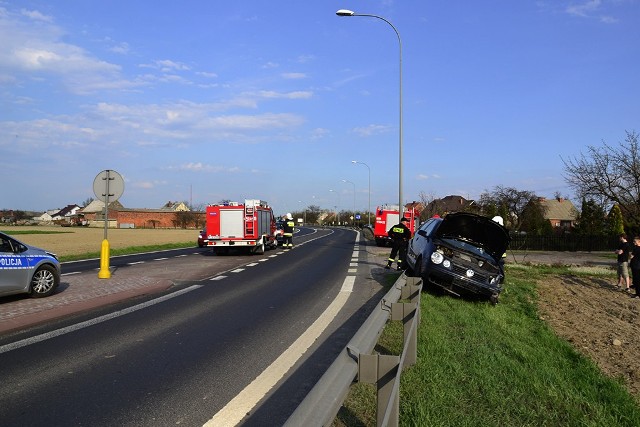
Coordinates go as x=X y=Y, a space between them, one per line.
x=14 y=267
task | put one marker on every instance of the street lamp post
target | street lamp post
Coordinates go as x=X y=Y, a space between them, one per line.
x=345 y=12
x=354 y=201
x=369 y=207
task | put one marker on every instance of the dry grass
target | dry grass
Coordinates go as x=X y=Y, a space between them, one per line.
x=79 y=240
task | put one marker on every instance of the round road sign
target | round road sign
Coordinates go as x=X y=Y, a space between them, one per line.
x=108 y=185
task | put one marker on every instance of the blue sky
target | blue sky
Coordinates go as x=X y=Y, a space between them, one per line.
x=201 y=101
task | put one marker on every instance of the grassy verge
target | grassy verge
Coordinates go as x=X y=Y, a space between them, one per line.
x=127 y=251
x=484 y=365
x=17 y=231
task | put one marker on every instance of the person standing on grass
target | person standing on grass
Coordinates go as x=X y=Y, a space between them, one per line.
x=624 y=280
x=635 y=265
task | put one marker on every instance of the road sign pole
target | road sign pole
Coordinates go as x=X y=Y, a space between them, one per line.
x=104 y=272
x=107 y=186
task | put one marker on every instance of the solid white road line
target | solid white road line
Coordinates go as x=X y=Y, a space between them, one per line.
x=244 y=402
x=91 y=322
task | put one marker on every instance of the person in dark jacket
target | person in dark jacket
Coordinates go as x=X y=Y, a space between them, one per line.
x=288 y=228
x=635 y=265
x=400 y=235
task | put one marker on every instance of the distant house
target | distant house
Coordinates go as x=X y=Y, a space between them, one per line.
x=561 y=213
x=446 y=205
x=176 y=207
x=66 y=215
x=44 y=217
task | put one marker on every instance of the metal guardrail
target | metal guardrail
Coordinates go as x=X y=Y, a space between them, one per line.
x=323 y=402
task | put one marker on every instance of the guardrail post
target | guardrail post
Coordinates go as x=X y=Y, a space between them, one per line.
x=381 y=370
x=407 y=312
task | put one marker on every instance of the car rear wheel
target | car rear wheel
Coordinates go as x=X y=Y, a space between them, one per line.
x=44 y=282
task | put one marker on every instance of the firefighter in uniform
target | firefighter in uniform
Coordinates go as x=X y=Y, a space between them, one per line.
x=400 y=235
x=287 y=227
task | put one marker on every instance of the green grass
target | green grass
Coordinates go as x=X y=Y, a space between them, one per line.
x=13 y=232
x=484 y=365
x=128 y=251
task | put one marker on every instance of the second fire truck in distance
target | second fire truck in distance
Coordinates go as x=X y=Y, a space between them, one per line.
x=249 y=225
x=387 y=216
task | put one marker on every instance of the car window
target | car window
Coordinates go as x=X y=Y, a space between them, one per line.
x=5 y=245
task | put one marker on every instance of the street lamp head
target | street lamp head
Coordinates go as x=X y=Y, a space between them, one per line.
x=345 y=12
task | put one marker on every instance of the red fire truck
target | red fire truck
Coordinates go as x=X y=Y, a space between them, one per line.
x=250 y=226
x=387 y=216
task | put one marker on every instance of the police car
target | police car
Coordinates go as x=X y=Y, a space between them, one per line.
x=27 y=269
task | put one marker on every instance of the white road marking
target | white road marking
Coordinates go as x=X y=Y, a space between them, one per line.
x=244 y=402
x=69 y=274
x=253 y=264
x=237 y=270
x=91 y=322
x=160 y=259
x=218 y=278
x=134 y=263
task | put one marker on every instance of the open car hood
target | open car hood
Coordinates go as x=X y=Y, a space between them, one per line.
x=477 y=229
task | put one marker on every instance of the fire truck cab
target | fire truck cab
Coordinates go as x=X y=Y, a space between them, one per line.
x=249 y=225
x=387 y=216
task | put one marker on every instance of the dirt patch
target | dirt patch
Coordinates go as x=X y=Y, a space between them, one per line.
x=598 y=319
x=80 y=240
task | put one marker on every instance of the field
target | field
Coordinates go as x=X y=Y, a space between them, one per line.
x=64 y=241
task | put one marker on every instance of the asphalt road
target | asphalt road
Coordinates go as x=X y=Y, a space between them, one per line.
x=191 y=352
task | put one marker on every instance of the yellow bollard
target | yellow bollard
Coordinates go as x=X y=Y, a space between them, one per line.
x=104 y=272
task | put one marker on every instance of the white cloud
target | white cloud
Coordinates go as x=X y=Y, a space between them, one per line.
x=288 y=95
x=424 y=177
x=36 y=16
x=203 y=167
x=294 y=76
x=167 y=65
x=122 y=48
x=371 y=130
x=584 y=9
x=31 y=51
x=207 y=74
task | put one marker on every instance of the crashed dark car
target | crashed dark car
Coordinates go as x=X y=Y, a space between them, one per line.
x=461 y=253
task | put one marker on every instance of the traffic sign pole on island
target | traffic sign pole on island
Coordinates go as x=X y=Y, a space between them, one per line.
x=108 y=186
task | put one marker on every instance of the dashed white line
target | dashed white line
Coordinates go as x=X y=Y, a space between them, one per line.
x=160 y=259
x=134 y=263
x=253 y=264
x=237 y=270
x=218 y=278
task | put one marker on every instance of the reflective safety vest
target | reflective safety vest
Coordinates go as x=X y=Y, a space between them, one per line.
x=288 y=228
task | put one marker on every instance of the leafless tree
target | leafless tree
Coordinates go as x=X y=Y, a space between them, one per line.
x=431 y=205
x=508 y=202
x=609 y=174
